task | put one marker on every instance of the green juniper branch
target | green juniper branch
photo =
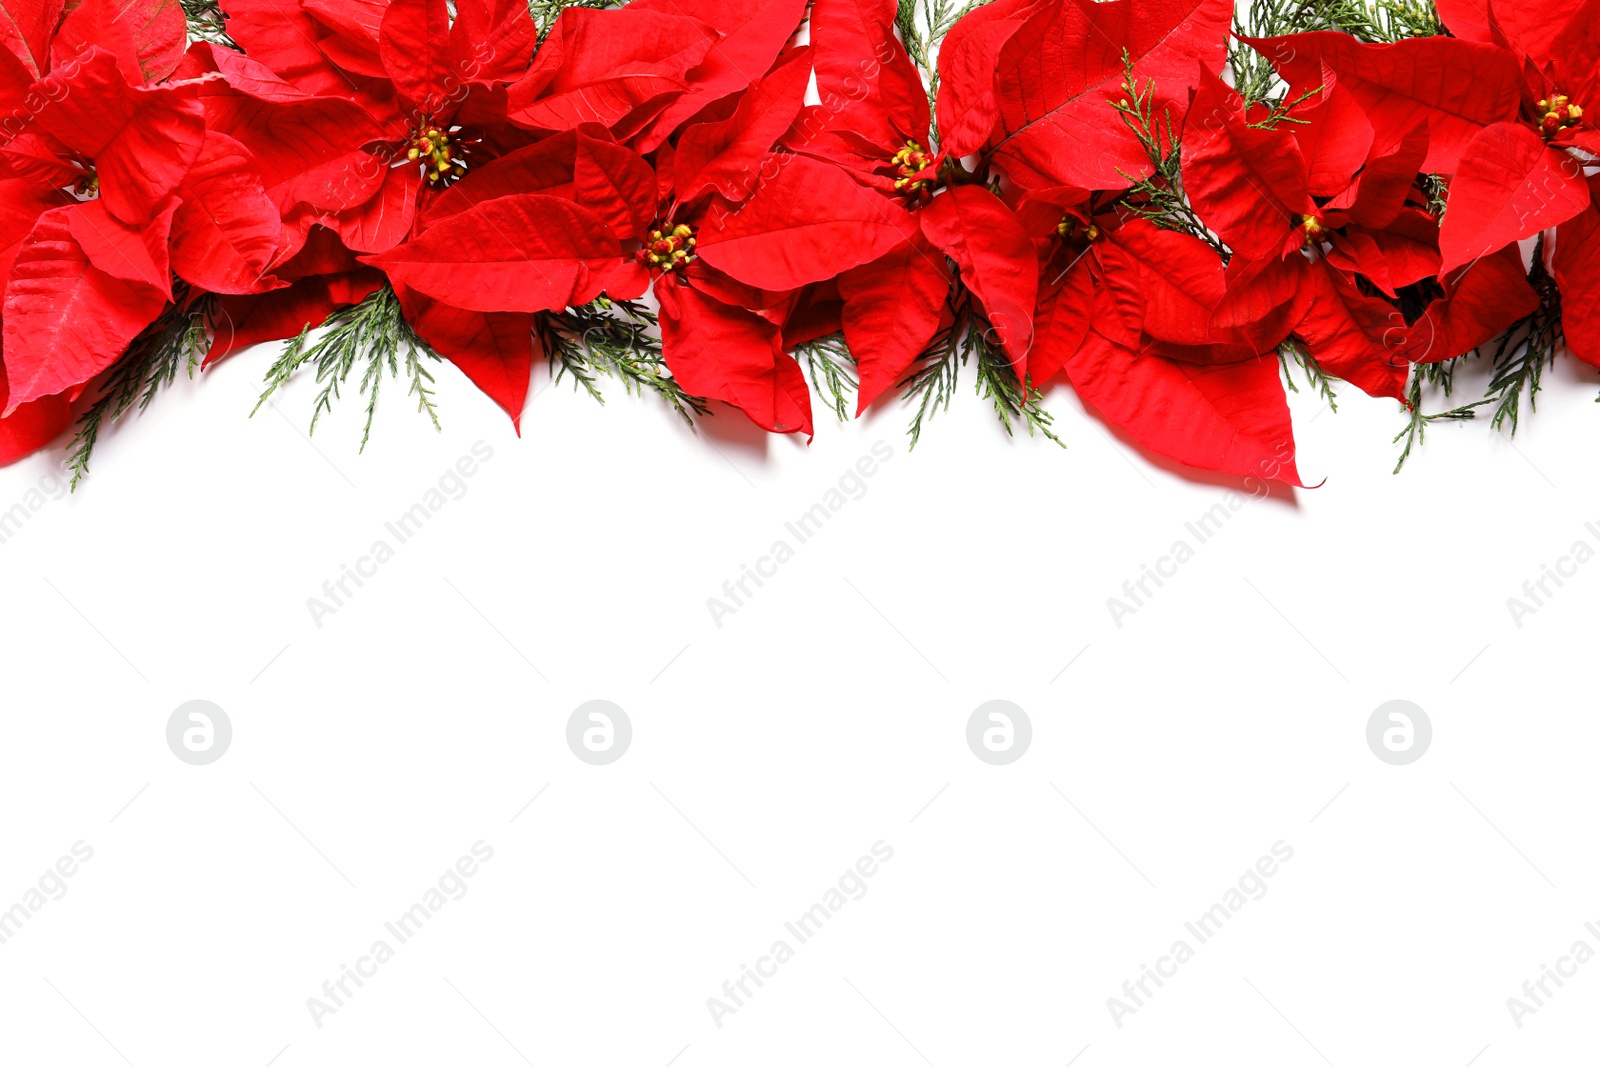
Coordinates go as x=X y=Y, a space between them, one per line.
x=372 y=334
x=933 y=378
x=612 y=338
x=832 y=371
x=207 y=22
x=180 y=337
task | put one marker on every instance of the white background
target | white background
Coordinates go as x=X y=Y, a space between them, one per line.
x=828 y=713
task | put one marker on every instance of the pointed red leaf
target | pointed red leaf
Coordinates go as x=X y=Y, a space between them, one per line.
x=1511 y=185
x=996 y=259
x=968 y=110
x=1228 y=417
x=25 y=29
x=1577 y=271
x=226 y=231
x=1061 y=321
x=1334 y=137
x=1355 y=337
x=414 y=44
x=753 y=32
x=603 y=66
x=131 y=253
x=527 y=252
x=242 y=321
x=892 y=308
x=492 y=40
x=1456 y=87
x=806 y=223
x=615 y=183
x=148 y=36
x=727 y=353
x=1059 y=74
x=1180 y=277
x=493 y=349
x=727 y=155
x=1249 y=185
x=1480 y=305
x=64 y=319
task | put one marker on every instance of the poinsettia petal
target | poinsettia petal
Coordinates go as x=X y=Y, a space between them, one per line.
x=131 y=253
x=414 y=45
x=727 y=155
x=492 y=40
x=64 y=319
x=726 y=353
x=603 y=66
x=25 y=29
x=1577 y=272
x=1249 y=185
x=1334 y=137
x=1456 y=87
x=892 y=308
x=242 y=321
x=494 y=349
x=1352 y=336
x=968 y=110
x=615 y=183
x=753 y=32
x=807 y=222
x=310 y=149
x=1229 y=417
x=1485 y=301
x=142 y=140
x=1061 y=321
x=996 y=259
x=1380 y=191
x=386 y=219
x=548 y=167
x=1511 y=185
x=149 y=36
x=528 y=252
x=1059 y=74
x=1180 y=276
x=32 y=425
x=226 y=231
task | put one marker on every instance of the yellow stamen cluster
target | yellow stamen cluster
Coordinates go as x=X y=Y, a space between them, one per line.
x=1068 y=228
x=669 y=250
x=1313 y=228
x=908 y=163
x=433 y=148
x=1558 y=113
x=87 y=185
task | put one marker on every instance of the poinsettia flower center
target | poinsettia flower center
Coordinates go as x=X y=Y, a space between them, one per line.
x=1070 y=226
x=1557 y=113
x=908 y=163
x=669 y=250
x=1313 y=227
x=442 y=157
x=87 y=187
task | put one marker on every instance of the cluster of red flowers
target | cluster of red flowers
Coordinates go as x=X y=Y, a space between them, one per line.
x=1372 y=214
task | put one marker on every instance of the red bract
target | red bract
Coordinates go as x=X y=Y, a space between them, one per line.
x=87 y=277
x=1054 y=70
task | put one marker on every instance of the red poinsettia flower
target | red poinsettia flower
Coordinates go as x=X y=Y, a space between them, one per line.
x=1503 y=102
x=90 y=202
x=892 y=279
x=1327 y=226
